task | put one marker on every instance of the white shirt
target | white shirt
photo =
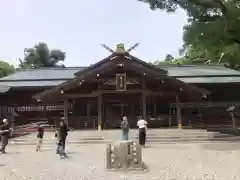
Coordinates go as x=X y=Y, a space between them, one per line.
x=142 y=123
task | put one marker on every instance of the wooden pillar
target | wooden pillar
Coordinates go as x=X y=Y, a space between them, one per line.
x=144 y=105
x=170 y=115
x=122 y=110
x=88 y=110
x=133 y=110
x=233 y=120
x=179 y=112
x=65 y=110
x=155 y=110
x=100 y=112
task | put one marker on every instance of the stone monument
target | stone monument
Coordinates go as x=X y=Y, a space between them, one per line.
x=124 y=155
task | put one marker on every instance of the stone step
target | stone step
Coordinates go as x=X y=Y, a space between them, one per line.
x=193 y=139
x=147 y=142
x=188 y=136
x=54 y=143
x=180 y=133
x=102 y=141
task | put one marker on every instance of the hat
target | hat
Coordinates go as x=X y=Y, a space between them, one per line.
x=5 y=120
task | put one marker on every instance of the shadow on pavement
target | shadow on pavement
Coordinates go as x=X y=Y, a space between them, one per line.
x=12 y=152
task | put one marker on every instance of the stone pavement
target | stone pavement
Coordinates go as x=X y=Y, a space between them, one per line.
x=154 y=136
x=87 y=162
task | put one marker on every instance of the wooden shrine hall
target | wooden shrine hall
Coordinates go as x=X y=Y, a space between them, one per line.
x=122 y=85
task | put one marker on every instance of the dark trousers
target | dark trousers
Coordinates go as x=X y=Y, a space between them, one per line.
x=4 y=140
x=142 y=136
x=61 y=145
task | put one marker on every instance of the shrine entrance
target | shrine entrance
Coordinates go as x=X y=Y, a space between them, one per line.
x=115 y=108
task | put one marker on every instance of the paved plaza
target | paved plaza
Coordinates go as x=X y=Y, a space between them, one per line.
x=192 y=161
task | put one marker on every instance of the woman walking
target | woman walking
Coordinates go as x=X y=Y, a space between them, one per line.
x=125 y=128
x=62 y=135
x=40 y=134
x=142 y=129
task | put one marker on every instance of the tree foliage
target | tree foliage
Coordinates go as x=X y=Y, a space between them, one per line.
x=170 y=60
x=6 y=69
x=41 y=56
x=213 y=31
x=168 y=57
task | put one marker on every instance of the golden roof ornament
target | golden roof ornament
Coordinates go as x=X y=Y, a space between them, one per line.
x=120 y=48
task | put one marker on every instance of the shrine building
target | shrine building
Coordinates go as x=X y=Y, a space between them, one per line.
x=98 y=96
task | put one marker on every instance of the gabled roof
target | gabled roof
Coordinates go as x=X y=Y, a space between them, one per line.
x=127 y=55
x=129 y=63
x=49 y=77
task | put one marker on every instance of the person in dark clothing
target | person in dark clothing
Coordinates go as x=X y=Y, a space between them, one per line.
x=125 y=128
x=63 y=132
x=5 y=133
x=40 y=134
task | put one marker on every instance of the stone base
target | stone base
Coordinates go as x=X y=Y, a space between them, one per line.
x=124 y=156
x=144 y=168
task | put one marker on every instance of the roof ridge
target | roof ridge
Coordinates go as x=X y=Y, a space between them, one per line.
x=51 y=68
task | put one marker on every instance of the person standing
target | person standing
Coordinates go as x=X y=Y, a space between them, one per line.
x=125 y=128
x=63 y=132
x=142 y=129
x=5 y=133
x=40 y=133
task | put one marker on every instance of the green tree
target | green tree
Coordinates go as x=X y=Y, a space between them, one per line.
x=169 y=57
x=6 y=69
x=213 y=31
x=41 y=56
x=174 y=61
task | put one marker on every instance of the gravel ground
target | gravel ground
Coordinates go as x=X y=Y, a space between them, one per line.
x=87 y=162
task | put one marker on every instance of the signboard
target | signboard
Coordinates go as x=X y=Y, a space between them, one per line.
x=34 y=108
x=121 y=82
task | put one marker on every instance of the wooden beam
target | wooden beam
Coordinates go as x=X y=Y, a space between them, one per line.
x=147 y=92
x=129 y=91
x=144 y=103
x=99 y=112
x=154 y=110
x=66 y=110
x=75 y=96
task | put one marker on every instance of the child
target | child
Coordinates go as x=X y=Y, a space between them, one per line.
x=40 y=133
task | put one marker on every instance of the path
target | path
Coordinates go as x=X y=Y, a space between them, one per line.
x=87 y=162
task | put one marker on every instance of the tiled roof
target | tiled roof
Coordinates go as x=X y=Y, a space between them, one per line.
x=55 y=76
x=13 y=84
x=199 y=80
x=4 y=89
x=43 y=73
x=199 y=70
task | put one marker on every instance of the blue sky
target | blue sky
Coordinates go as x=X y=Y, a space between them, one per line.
x=79 y=27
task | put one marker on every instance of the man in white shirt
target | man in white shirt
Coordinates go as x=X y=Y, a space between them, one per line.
x=142 y=128
x=142 y=123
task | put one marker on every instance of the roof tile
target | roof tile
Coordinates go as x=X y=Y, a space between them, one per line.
x=55 y=76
